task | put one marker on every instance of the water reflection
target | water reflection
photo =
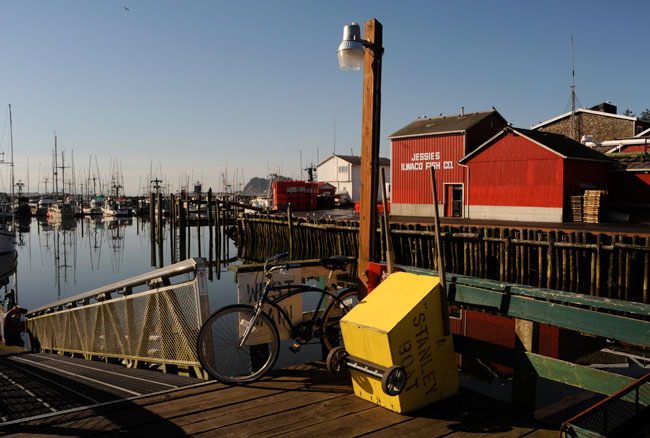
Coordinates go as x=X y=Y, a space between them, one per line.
x=67 y=257
x=8 y=263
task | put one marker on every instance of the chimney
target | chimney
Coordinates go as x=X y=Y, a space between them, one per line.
x=462 y=111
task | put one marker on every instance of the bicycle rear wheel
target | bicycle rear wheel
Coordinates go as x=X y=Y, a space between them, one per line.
x=219 y=353
x=330 y=325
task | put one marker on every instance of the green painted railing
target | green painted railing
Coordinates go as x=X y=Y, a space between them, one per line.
x=618 y=321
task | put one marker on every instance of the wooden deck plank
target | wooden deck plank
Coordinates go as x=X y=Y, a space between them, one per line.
x=247 y=416
x=445 y=416
x=134 y=412
x=295 y=418
x=289 y=403
x=367 y=418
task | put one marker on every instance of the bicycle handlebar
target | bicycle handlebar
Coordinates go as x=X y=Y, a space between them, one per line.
x=334 y=263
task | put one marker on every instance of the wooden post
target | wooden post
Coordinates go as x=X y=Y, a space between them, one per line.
x=369 y=152
x=599 y=249
x=172 y=226
x=524 y=380
x=441 y=267
x=189 y=225
x=610 y=271
x=152 y=242
x=160 y=218
x=550 y=263
x=211 y=243
x=390 y=258
x=151 y=207
x=181 y=230
x=198 y=221
x=290 y=230
x=217 y=245
x=620 y=279
x=572 y=264
x=646 y=271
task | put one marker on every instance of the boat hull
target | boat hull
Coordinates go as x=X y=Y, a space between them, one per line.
x=7 y=241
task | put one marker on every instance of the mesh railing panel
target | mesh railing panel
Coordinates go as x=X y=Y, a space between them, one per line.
x=161 y=325
x=617 y=411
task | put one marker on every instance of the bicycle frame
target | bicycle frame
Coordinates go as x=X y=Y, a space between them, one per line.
x=291 y=290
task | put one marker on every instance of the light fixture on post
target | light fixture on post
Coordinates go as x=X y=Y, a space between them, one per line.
x=351 y=52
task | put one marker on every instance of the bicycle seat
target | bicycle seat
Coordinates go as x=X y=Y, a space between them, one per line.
x=335 y=263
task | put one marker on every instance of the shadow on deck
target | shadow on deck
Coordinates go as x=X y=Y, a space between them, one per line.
x=302 y=401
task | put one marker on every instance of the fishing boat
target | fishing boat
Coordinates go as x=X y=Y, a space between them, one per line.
x=95 y=207
x=44 y=205
x=60 y=211
x=117 y=209
x=33 y=206
x=7 y=239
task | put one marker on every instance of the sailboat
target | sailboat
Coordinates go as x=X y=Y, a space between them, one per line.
x=8 y=230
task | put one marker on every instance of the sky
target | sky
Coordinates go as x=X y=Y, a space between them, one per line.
x=195 y=90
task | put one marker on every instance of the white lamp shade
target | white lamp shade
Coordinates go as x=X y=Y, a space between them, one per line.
x=350 y=55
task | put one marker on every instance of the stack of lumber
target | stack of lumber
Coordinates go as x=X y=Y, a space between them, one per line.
x=576 y=208
x=594 y=205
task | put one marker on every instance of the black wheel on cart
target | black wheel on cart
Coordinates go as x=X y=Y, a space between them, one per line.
x=218 y=345
x=336 y=360
x=393 y=380
x=330 y=324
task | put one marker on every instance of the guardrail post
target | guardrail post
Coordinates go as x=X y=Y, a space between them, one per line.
x=525 y=380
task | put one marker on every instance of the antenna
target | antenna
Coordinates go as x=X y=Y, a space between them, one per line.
x=334 y=136
x=573 y=96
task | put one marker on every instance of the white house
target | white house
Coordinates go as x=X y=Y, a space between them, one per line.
x=344 y=173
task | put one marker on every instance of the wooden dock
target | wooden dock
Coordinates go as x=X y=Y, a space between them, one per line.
x=301 y=401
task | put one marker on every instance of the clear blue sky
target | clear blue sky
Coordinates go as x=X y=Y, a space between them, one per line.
x=189 y=88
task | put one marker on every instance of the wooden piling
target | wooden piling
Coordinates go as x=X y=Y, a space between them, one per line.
x=290 y=231
x=198 y=222
x=646 y=271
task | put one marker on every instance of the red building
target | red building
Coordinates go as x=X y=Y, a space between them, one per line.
x=439 y=143
x=527 y=175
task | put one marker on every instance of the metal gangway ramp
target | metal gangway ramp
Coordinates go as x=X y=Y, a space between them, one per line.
x=148 y=322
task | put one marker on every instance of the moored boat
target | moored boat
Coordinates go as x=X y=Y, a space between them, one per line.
x=44 y=205
x=95 y=207
x=60 y=211
x=7 y=239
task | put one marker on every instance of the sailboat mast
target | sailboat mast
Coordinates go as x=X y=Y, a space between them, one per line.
x=55 y=172
x=573 y=96
x=11 y=141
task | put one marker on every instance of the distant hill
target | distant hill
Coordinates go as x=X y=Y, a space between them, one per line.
x=259 y=186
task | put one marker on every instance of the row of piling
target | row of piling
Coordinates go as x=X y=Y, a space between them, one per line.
x=210 y=215
x=598 y=264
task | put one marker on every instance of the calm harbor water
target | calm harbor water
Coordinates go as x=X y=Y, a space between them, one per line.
x=58 y=260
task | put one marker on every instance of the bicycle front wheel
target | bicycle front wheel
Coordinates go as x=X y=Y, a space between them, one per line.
x=220 y=353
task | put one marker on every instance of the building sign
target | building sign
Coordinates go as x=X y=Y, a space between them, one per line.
x=426 y=160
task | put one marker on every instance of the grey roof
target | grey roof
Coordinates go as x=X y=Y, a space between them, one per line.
x=558 y=143
x=634 y=162
x=354 y=159
x=444 y=124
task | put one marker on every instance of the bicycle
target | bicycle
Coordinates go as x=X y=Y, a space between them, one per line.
x=240 y=343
